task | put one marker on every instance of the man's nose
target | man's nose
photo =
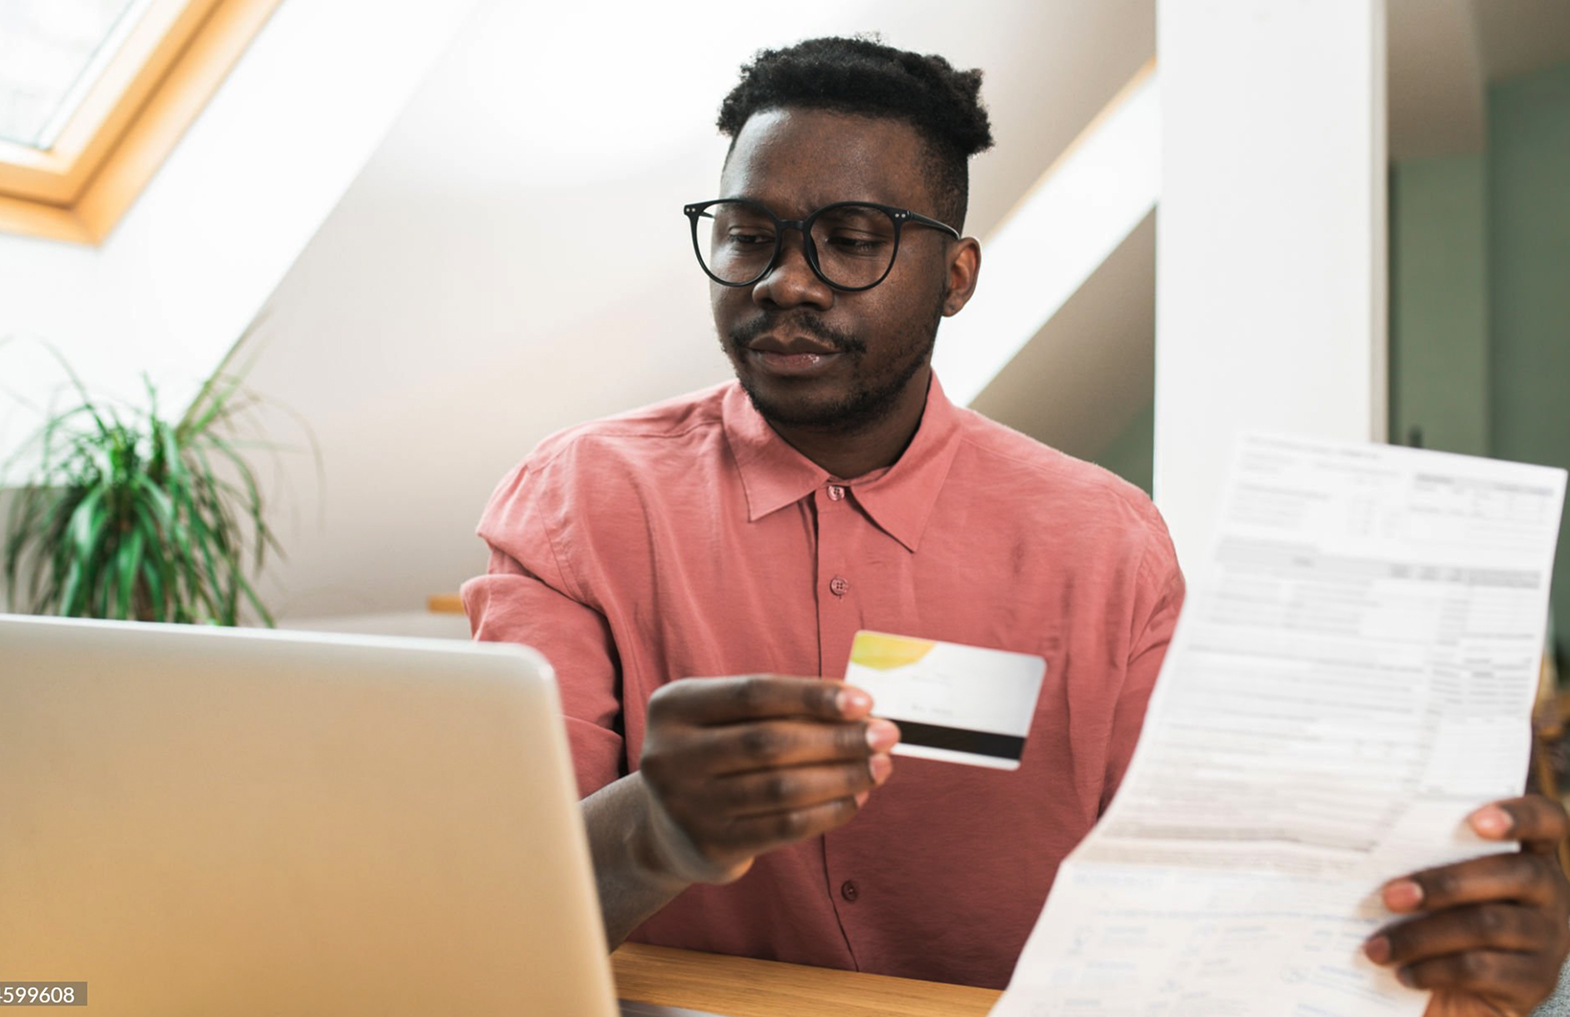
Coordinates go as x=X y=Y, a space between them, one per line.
x=792 y=282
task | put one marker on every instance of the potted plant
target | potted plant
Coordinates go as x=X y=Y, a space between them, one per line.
x=126 y=514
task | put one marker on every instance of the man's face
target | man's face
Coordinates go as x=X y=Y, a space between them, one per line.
x=809 y=355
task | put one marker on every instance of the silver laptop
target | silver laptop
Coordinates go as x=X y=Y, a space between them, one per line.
x=206 y=821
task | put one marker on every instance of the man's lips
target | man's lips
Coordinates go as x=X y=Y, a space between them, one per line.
x=793 y=358
x=793 y=346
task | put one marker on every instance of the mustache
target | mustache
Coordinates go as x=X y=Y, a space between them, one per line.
x=845 y=342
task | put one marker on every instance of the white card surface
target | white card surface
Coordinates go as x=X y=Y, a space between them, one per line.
x=955 y=703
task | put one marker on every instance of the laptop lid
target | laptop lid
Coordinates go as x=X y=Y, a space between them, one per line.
x=197 y=820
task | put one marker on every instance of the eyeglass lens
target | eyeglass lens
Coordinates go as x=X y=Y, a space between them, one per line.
x=855 y=243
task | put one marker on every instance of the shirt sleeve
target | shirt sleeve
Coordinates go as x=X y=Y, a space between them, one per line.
x=527 y=597
x=1158 y=601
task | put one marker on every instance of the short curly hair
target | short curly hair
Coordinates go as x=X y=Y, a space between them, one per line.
x=864 y=77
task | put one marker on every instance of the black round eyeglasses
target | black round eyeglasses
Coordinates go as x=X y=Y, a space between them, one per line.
x=850 y=245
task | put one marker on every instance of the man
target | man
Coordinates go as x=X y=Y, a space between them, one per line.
x=750 y=530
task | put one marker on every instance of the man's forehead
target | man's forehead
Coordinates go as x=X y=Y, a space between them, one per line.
x=813 y=157
x=798 y=126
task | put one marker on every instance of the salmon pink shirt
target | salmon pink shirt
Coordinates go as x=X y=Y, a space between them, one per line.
x=689 y=540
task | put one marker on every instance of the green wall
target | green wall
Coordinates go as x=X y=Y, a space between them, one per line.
x=1480 y=293
x=1439 y=304
x=1479 y=300
x=1132 y=454
x=1529 y=283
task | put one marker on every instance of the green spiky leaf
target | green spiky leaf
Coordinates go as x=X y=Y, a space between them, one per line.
x=126 y=514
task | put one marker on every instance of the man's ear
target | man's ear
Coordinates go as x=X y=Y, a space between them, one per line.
x=964 y=265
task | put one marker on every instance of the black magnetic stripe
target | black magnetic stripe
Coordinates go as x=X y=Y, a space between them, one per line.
x=960 y=739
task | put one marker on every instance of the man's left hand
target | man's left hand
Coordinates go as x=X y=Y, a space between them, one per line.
x=1488 y=935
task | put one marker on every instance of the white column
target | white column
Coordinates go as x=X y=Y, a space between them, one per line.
x=1270 y=251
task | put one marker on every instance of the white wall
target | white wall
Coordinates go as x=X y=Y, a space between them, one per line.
x=459 y=304
x=1084 y=378
x=1059 y=234
x=1270 y=260
x=187 y=269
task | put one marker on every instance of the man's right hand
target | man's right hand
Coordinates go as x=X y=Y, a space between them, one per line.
x=735 y=767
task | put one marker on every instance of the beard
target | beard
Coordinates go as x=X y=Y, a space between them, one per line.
x=871 y=396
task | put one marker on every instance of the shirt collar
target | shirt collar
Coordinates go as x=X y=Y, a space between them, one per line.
x=899 y=499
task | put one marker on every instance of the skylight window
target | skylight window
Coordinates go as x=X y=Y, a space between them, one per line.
x=94 y=95
x=51 y=53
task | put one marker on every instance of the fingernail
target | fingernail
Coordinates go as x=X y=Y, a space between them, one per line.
x=881 y=766
x=881 y=735
x=1403 y=895
x=1377 y=949
x=852 y=701
x=861 y=799
x=1491 y=821
x=1406 y=978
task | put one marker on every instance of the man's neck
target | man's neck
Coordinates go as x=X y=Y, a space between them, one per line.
x=880 y=443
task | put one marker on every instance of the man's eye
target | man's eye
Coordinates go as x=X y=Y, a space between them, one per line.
x=742 y=238
x=857 y=243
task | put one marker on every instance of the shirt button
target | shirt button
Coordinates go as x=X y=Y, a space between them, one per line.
x=838 y=586
x=836 y=492
x=849 y=890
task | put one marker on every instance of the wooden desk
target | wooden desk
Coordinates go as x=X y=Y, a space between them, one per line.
x=742 y=987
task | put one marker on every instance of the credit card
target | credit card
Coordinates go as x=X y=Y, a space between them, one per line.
x=956 y=703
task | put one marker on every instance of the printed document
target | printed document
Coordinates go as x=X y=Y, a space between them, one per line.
x=1353 y=674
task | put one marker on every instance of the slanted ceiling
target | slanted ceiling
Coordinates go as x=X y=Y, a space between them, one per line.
x=460 y=304
x=456 y=305
x=1444 y=53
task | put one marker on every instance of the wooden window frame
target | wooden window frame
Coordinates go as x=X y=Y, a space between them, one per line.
x=169 y=65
